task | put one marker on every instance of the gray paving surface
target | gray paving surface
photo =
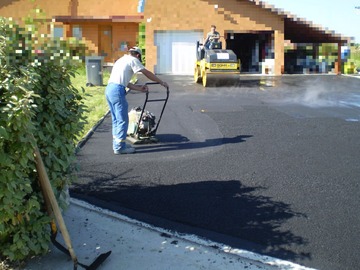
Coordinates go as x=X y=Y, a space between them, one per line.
x=270 y=165
x=134 y=245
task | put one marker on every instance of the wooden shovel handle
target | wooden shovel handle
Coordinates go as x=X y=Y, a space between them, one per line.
x=50 y=199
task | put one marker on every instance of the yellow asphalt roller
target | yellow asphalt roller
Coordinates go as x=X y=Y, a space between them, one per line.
x=215 y=64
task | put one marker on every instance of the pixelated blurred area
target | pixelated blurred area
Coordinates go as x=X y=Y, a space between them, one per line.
x=29 y=44
x=266 y=39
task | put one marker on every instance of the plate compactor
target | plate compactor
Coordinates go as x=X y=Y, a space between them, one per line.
x=215 y=64
x=142 y=125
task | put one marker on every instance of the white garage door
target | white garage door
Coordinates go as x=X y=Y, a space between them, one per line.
x=176 y=51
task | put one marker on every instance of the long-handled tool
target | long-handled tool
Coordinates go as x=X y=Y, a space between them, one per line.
x=53 y=210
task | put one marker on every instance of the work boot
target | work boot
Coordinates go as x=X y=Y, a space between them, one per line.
x=125 y=150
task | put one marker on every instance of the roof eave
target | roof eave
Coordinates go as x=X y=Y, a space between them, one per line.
x=111 y=19
x=329 y=36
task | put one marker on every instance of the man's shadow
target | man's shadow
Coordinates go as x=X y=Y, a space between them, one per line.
x=169 y=142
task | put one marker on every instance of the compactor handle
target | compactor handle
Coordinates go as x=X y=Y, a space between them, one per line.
x=153 y=132
x=152 y=83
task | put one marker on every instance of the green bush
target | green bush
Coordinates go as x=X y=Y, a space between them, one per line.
x=355 y=55
x=141 y=41
x=38 y=105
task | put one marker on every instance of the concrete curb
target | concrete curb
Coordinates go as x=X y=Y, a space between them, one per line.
x=81 y=143
x=351 y=76
x=266 y=261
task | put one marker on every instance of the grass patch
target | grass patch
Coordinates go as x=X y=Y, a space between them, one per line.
x=94 y=98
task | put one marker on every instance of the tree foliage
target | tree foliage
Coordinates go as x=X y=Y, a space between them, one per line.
x=38 y=105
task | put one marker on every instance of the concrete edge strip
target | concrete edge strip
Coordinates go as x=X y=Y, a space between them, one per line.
x=81 y=143
x=351 y=76
x=246 y=255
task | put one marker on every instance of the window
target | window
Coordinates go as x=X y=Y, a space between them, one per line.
x=58 y=32
x=77 y=32
x=141 y=4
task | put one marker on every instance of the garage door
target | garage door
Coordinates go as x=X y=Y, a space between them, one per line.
x=176 y=51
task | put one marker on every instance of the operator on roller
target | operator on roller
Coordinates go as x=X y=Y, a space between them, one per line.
x=212 y=36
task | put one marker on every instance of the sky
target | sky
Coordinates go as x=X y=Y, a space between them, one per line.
x=340 y=16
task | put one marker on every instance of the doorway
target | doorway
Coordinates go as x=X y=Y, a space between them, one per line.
x=105 y=42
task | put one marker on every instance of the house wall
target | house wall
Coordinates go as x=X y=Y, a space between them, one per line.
x=121 y=33
x=21 y=8
x=229 y=15
x=90 y=33
x=106 y=7
x=124 y=32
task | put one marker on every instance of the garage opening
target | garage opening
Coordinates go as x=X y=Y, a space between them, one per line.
x=255 y=50
x=176 y=51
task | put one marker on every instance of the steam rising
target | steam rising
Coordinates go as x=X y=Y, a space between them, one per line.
x=316 y=94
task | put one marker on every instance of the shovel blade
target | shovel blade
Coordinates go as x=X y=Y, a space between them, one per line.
x=99 y=260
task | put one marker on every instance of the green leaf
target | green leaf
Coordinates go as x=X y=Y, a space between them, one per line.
x=3 y=133
x=4 y=160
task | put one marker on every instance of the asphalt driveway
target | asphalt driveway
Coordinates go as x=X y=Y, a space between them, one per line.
x=269 y=164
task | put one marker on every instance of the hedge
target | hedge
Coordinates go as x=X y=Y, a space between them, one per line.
x=38 y=105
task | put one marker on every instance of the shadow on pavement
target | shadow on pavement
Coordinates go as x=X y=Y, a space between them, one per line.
x=169 y=142
x=223 y=211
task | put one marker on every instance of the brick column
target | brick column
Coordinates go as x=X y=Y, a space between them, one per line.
x=151 y=49
x=279 y=52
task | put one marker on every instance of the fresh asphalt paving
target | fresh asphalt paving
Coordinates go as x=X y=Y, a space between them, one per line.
x=270 y=165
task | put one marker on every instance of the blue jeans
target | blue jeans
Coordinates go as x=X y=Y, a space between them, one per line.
x=115 y=96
